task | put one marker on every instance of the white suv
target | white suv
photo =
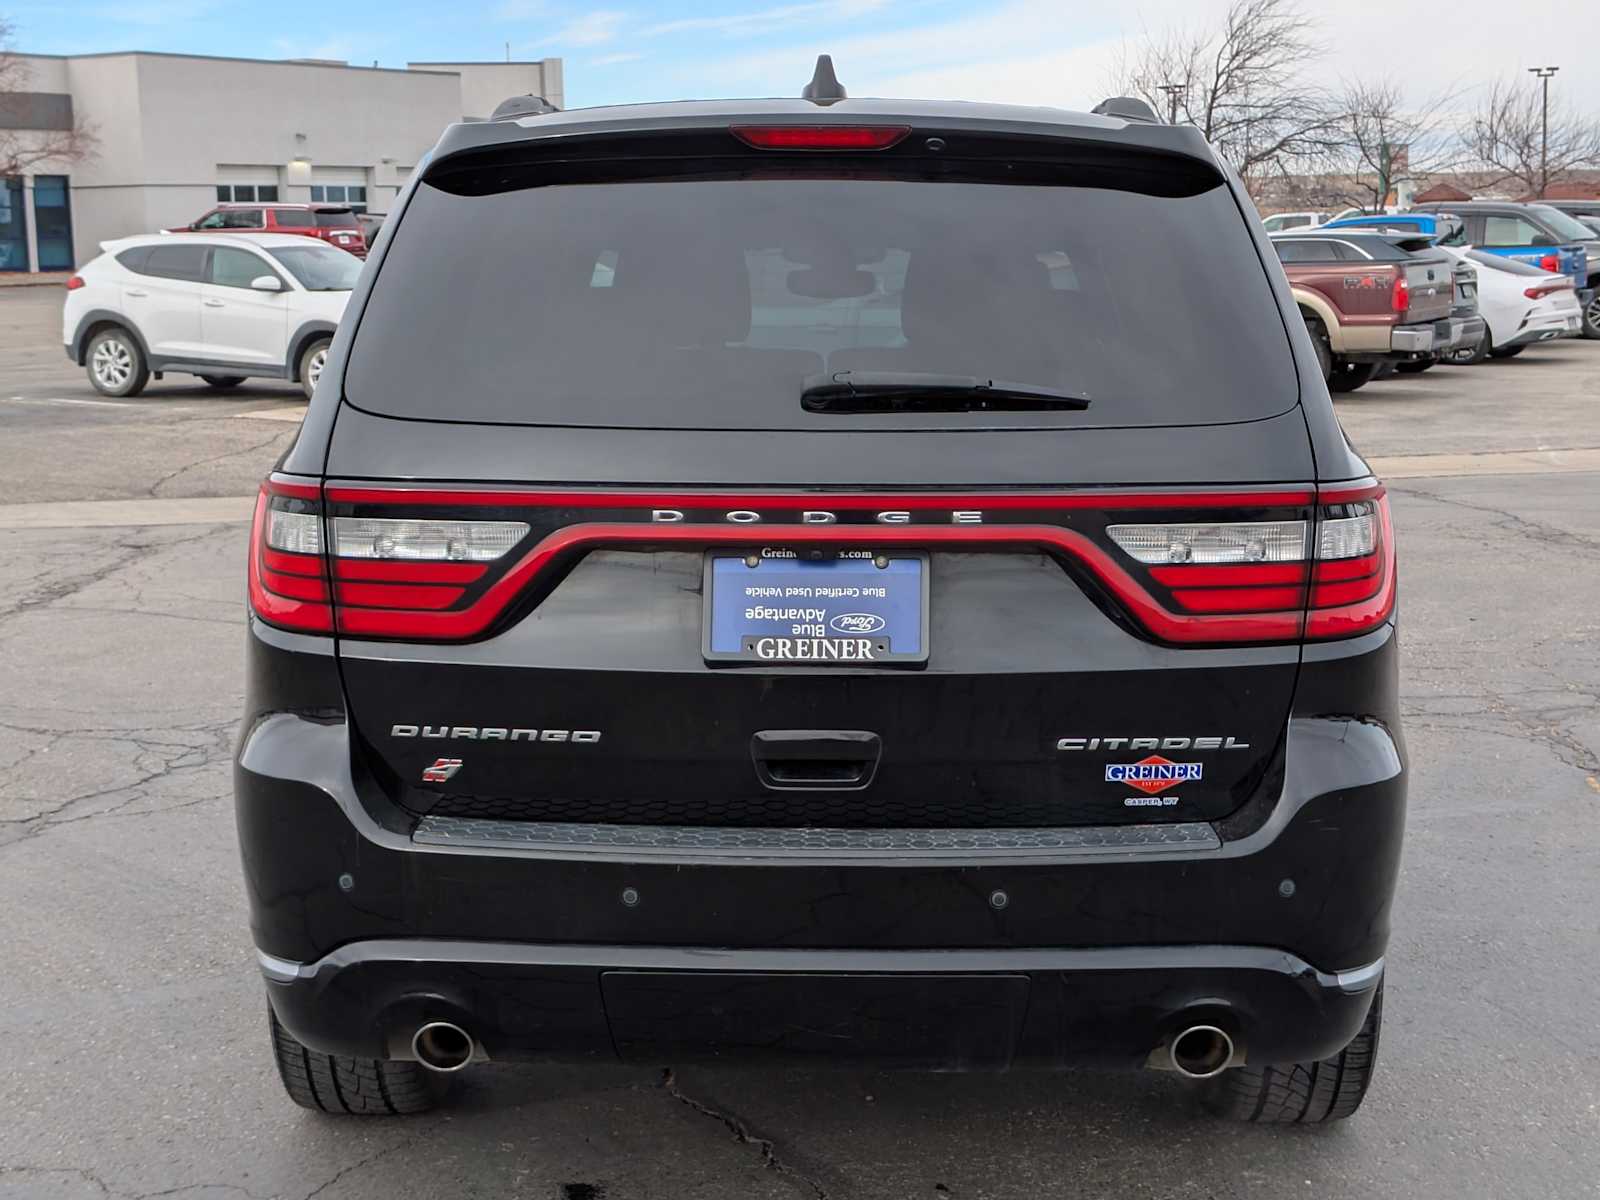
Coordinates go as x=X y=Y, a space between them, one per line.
x=222 y=307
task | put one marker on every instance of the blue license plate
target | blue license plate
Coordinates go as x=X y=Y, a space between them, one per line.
x=781 y=607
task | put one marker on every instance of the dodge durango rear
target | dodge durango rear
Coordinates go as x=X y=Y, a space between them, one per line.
x=776 y=580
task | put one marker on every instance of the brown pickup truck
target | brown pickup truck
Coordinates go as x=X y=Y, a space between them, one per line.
x=1370 y=299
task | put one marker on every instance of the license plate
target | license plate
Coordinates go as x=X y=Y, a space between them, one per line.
x=782 y=607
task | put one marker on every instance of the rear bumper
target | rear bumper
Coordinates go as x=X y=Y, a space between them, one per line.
x=1547 y=327
x=930 y=1010
x=974 y=950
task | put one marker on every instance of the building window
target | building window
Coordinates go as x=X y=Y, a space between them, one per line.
x=52 y=222
x=13 y=227
x=340 y=193
x=246 y=193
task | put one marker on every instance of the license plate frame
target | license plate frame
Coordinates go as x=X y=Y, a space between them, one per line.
x=849 y=566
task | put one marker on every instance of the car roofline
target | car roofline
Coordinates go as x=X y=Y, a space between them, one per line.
x=258 y=240
x=945 y=117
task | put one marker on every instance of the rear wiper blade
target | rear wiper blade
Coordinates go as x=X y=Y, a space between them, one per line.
x=915 y=391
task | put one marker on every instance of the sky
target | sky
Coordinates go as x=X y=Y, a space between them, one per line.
x=1051 y=52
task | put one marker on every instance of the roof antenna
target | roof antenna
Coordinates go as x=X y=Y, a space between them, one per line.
x=824 y=87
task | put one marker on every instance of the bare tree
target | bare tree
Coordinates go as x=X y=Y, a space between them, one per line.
x=20 y=147
x=1506 y=135
x=1386 y=144
x=1246 y=83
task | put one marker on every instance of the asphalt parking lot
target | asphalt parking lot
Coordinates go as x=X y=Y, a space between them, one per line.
x=133 y=1046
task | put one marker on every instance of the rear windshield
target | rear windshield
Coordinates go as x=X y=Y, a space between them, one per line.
x=341 y=218
x=713 y=304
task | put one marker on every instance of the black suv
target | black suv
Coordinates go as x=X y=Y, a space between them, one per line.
x=797 y=578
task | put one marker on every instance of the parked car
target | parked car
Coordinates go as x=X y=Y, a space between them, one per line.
x=1520 y=305
x=1292 y=220
x=1372 y=298
x=1444 y=229
x=1540 y=235
x=222 y=307
x=371 y=223
x=333 y=223
x=636 y=669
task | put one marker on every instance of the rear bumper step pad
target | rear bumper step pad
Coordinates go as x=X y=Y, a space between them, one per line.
x=566 y=837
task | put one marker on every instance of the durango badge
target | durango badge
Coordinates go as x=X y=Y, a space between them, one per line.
x=1153 y=774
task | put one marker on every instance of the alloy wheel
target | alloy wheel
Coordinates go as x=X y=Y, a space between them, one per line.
x=112 y=363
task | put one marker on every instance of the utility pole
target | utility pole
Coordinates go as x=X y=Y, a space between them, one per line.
x=1173 y=91
x=1544 y=74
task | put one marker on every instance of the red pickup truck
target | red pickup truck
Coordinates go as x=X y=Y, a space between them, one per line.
x=1370 y=299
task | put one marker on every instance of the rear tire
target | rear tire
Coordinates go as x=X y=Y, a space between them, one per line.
x=116 y=364
x=1591 y=317
x=1311 y=1093
x=1508 y=351
x=1415 y=367
x=1319 y=341
x=312 y=359
x=332 y=1083
x=222 y=382
x=1347 y=377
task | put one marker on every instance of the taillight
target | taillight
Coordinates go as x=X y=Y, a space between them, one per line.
x=392 y=576
x=1353 y=576
x=288 y=574
x=1400 y=298
x=1340 y=568
x=820 y=137
x=1551 y=263
x=75 y=283
x=1540 y=290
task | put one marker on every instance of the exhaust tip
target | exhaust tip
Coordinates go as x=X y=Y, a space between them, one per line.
x=442 y=1046
x=1201 y=1051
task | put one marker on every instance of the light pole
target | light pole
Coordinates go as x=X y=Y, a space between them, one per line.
x=1173 y=91
x=1544 y=74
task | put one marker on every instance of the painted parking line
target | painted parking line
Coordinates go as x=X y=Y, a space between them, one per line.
x=66 y=400
x=295 y=413
x=1497 y=462
x=104 y=514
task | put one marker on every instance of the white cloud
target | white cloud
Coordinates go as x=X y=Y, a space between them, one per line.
x=591 y=29
x=766 y=21
x=519 y=10
x=1065 y=55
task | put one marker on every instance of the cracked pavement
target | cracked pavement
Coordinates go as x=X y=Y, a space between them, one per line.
x=132 y=1022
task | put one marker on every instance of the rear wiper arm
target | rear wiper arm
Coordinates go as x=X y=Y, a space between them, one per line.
x=915 y=391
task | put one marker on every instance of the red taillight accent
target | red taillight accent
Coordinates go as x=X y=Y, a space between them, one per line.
x=1540 y=290
x=75 y=283
x=1551 y=263
x=1400 y=298
x=287 y=590
x=1187 y=604
x=820 y=137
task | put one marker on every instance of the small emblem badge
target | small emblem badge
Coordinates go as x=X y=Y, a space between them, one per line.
x=1153 y=774
x=442 y=770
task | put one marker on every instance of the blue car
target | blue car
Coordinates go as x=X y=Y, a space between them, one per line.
x=1451 y=230
x=1532 y=233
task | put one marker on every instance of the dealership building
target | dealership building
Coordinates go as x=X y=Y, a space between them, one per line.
x=174 y=134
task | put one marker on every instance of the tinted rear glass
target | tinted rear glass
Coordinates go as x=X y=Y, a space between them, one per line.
x=341 y=219
x=293 y=218
x=710 y=303
x=176 y=262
